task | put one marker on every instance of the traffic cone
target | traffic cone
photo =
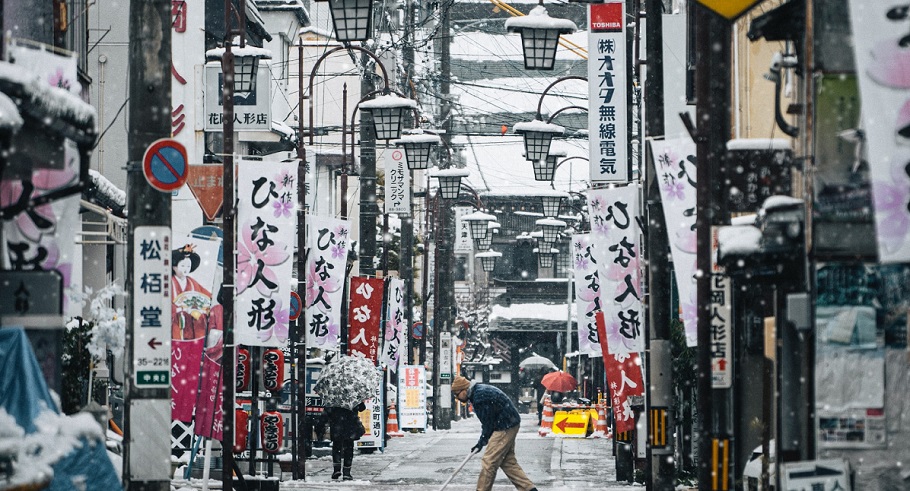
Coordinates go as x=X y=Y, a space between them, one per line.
x=546 y=420
x=391 y=426
x=600 y=428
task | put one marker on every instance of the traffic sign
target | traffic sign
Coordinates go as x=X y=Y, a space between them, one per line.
x=816 y=474
x=206 y=182
x=571 y=423
x=729 y=9
x=165 y=165
x=296 y=306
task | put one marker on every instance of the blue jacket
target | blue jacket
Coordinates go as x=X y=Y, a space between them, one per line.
x=494 y=409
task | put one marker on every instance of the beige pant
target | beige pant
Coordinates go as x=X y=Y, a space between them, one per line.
x=501 y=454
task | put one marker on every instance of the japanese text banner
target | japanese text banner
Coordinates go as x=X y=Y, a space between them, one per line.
x=882 y=69
x=365 y=314
x=328 y=243
x=616 y=232
x=587 y=294
x=266 y=228
x=674 y=163
x=397 y=183
x=624 y=379
x=395 y=325
x=607 y=93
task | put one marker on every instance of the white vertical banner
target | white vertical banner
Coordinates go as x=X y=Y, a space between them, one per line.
x=266 y=234
x=187 y=29
x=463 y=242
x=395 y=324
x=674 y=161
x=412 y=397
x=615 y=233
x=587 y=294
x=883 y=72
x=397 y=183
x=607 y=89
x=328 y=243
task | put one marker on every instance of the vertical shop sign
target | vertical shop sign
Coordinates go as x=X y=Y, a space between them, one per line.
x=587 y=294
x=607 y=87
x=327 y=248
x=395 y=324
x=152 y=304
x=365 y=314
x=397 y=183
x=624 y=379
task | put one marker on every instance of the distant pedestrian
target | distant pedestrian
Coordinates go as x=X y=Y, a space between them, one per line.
x=500 y=423
x=345 y=427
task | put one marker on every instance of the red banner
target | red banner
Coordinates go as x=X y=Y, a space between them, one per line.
x=186 y=355
x=364 y=316
x=623 y=377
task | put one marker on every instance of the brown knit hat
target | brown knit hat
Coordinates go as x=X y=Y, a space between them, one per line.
x=459 y=384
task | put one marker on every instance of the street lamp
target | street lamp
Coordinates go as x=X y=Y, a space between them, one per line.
x=539 y=36
x=388 y=111
x=417 y=149
x=488 y=260
x=485 y=243
x=551 y=204
x=450 y=182
x=545 y=169
x=537 y=138
x=546 y=259
x=352 y=19
x=477 y=224
x=551 y=228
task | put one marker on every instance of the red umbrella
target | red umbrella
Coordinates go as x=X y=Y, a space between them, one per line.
x=559 y=381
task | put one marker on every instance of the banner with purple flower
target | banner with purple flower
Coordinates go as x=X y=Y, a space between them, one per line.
x=587 y=294
x=328 y=242
x=395 y=324
x=266 y=228
x=616 y=235
x=883 y=72
x=674 y=161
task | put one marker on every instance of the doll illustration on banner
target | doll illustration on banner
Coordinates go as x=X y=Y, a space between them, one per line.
x=191 y=300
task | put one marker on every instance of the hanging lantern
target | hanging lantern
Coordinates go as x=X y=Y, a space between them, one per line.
x=243 y=370
x=246 y=65
x=539 y=36
x=537 y=138
x=388 y=111
x=488 y=260
x=546 y=259
x=450 y=182
x=477 y=223
x=241 y=430
x=271 y=431
x=352 y=19
x=272 y=370
x=551 y=205
x=417 y=149
x=551 y=228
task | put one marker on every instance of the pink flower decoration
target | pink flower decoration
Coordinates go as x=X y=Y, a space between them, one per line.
x=282 y=208
x=890 y=65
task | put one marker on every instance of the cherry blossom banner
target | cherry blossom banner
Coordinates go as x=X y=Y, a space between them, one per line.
x=587 y=294
x=674 y=161
x=266 y=232
x=395 y=325
x=883 y=72
x=365 y=313
x=328 y=242
x=624 y=379
x=616 y=233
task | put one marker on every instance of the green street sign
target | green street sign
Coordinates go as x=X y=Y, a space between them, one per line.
x=154 y=378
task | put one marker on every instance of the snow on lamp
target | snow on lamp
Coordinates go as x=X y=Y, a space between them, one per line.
x=352 y=19
x=450 y=182
x=537 y=138
x=417 y=149
x=539 y=36
x=546 y=259
x=477 y=224
x=488 y=260
x=246 y=65
x=551 y=228
x=387 y=111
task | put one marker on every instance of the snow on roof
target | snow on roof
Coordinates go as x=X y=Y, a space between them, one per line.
x=329 y=34
x=421 y=138
x=217 y=53
x=542 y=311
x=552 y=222
x=388 y=101
x=54 y=101
x=743 y=219
x=758 y=144
x=540 y=126
x=284 y=130
x=107 y=188
x=552 y=250
x=10 y=119
x=738 y=239
x=538 y=18
x=779 y=201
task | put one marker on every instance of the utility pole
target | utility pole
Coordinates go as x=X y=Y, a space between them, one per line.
x=406 y=251
x=712 y=88
x=659 y=355
x=368 y=208
x=146 y=452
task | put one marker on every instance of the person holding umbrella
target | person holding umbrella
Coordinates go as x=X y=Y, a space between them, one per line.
x=500 y=422
x=345 y=427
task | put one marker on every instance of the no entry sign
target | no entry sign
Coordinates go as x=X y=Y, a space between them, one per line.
x=165 y=165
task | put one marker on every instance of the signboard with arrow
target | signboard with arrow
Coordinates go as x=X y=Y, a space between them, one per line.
x=151 y=298
x=828 y=474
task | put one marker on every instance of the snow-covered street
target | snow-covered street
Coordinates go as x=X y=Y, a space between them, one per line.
x=425 y=460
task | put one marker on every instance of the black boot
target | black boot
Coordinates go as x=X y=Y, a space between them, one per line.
x=337 y=468
x=346 y=472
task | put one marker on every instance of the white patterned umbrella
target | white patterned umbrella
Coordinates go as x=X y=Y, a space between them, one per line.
x=347 y=381
x=536 y=361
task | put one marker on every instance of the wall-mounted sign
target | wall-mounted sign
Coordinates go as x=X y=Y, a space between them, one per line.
x=252 y=110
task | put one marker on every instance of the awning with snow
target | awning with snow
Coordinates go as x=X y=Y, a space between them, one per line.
x=531 y=317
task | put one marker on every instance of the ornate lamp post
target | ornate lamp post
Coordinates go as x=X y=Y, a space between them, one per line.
x=488 y=260
x=551 y=228
x=537 y=138
x=551 y=204
x=539 y=36
x=546 y=259
x=352 y=19
x=388 y=112
x=477 y=224
x=450 y=182
x=485 y=243
x=545 y=169
x=417 y=148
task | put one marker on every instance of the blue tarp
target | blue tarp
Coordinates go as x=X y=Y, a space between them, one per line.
x=24 y=395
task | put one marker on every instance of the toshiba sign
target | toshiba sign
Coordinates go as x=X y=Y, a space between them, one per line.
x=606 y=17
